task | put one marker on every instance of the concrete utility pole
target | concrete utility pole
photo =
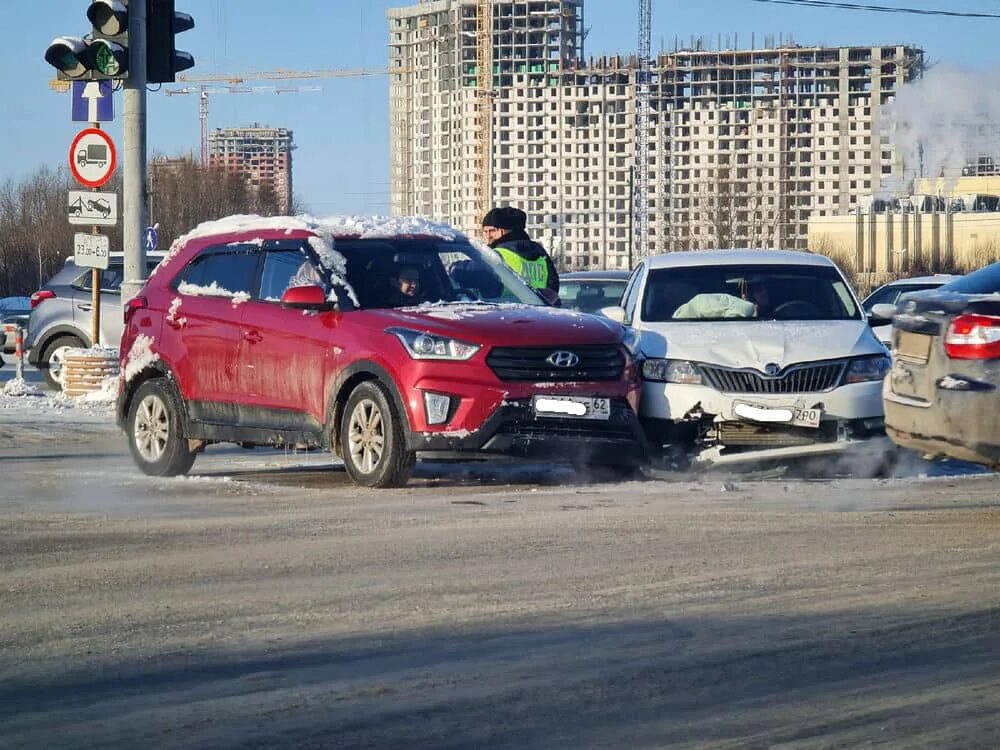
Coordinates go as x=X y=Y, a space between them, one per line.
x=134 y=175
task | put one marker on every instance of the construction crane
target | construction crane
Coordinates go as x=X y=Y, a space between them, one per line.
x=640 y=181
x=205 y=91
x=484 y=106
x=236 y=79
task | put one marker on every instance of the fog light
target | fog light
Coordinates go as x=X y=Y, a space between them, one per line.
x=437 y=407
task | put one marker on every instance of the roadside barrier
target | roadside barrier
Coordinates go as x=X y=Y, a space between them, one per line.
x=84 y=370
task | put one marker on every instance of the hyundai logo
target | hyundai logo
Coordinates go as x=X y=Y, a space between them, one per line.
x=563 y=359
x=772 y=369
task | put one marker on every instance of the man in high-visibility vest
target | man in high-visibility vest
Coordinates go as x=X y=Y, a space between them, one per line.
x=503 y=229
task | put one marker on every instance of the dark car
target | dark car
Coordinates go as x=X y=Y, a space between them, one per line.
x=941 y=396
x=61 y=313
x=589 y=291
x=376 y=339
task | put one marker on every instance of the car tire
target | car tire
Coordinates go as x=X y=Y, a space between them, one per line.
x=372 y=440
x=50 y=363
x=153 y=428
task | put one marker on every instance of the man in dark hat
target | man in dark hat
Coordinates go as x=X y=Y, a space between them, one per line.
x=503 y=229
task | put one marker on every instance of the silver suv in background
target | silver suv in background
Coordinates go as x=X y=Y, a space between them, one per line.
x=61 y=313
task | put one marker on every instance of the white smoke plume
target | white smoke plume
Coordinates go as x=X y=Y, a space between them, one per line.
x=942 y=122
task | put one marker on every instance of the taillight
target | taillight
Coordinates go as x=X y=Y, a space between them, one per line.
x=40 y=296
x=136 y=303
x=973 y=337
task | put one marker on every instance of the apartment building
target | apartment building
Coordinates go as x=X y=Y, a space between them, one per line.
x=744 y=144
x=263 y=155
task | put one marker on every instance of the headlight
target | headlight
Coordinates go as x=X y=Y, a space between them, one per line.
x=671 y=371
x=868 y=369
x=421 y=345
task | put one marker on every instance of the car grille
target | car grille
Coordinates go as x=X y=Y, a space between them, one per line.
x=774 y=436
x=530 y=363
x=810 y=378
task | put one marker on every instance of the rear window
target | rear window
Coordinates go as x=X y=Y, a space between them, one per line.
x=984 y=281
x=590 y=296
x=750 y=292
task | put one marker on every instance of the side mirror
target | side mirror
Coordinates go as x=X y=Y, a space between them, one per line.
x=311 y=297
x=614 y=312
x=881 y=315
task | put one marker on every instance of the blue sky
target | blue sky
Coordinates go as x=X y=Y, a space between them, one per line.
x=342 y=132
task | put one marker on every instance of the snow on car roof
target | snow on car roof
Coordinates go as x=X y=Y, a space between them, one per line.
x=331 y=227
x=737 y=257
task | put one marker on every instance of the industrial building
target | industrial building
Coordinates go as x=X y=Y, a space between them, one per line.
x=261 y=154
x=744 y=144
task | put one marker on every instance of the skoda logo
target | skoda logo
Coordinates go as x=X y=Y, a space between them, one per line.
x=563 y=359
x=772 y=369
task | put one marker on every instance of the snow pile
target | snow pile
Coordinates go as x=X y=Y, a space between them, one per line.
x=240 y=297
x=140 y=356
x=18 y=388
x=462 y=310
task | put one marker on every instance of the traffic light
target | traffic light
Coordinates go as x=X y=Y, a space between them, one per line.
x=163 y=60
x=101 y=55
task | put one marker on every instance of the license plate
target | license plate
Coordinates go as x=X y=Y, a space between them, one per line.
x=571 y=407
x=915 y=347
x=796 y=415
x=806 y=417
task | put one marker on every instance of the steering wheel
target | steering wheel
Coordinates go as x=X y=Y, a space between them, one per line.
x=796 y=309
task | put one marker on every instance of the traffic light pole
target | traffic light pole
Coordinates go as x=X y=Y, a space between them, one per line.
x=134 y=159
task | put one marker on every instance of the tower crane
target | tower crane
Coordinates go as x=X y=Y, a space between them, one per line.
x=640 y=182
x=484 y=105
x=236 y=79
x=205 y=91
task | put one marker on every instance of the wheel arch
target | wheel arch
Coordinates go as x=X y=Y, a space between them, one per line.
x=346 y=382
x=156 y=370
x=39 y=345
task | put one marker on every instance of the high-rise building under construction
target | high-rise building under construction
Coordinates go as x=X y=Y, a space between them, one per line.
x=263 y=155
x=744 y=144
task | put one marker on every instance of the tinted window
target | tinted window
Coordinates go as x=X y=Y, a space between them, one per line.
x=984 y=281
x=763 y=292
x=230 y=270
x=884 y=296
x=111 y=277
x=590 y=296
x=284 y=269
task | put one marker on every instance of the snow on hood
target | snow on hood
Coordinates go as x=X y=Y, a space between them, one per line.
x=755 y=344
x=527 y=325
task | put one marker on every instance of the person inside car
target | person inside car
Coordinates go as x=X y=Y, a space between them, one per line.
x=406 y=288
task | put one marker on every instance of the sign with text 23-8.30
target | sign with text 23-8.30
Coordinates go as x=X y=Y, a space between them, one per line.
x=91 y=250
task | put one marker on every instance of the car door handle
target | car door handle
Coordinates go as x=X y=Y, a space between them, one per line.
x=85 y=308
x=252 y=336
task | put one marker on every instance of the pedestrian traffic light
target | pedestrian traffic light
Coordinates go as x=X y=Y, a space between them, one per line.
x=163 y=60
x=101 y=55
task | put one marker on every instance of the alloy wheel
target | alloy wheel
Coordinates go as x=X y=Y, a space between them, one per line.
x=366 y=436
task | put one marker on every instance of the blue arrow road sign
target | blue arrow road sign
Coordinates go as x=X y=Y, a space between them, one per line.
x=92 y=101
x=151 y=239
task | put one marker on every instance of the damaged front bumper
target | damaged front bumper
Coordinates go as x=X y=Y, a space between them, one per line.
x=714 y=426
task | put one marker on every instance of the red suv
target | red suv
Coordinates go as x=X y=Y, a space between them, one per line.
x=376 y=339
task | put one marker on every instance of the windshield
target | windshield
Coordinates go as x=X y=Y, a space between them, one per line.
x=406 y=272
x=750 y=292
x=590 y=295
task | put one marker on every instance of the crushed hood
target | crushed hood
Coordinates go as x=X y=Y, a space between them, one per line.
x=755 y=344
